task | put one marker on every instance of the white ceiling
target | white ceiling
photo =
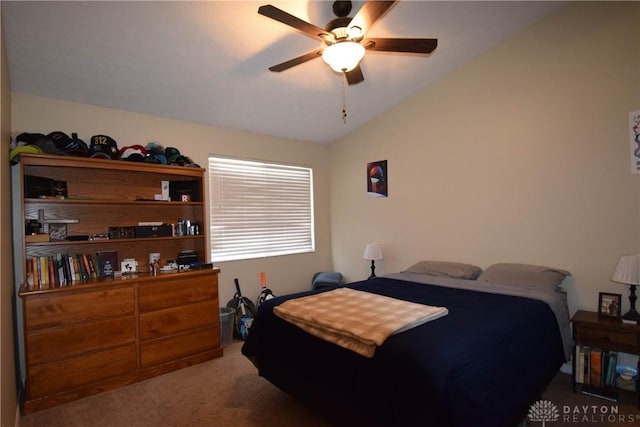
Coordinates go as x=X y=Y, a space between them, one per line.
x=206 y=61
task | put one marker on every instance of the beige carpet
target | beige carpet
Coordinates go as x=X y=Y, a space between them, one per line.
x=221 y=392
x=228 y=392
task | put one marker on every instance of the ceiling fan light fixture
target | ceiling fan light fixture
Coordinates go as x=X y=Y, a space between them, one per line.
x=354 y=32
x=343 y=56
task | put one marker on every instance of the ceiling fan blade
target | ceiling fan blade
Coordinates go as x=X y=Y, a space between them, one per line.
x=369 y=13
x=355 y=76
x=401 y=45
x=280 y=15
x=296 y=61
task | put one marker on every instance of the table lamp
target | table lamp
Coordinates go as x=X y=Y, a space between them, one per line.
x=373 y=251
x=627 y=272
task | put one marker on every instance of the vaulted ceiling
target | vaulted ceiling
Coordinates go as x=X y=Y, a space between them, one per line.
x=207 y=61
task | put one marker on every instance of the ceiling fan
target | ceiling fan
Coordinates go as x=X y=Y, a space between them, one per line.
x=344 y=38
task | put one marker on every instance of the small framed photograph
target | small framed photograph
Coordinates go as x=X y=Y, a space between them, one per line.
x=609 y=305
x=58 y=231
x=377 y=179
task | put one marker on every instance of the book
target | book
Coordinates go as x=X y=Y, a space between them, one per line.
x=600 y=393
x=579 y=358
x=62 y=278
x=30 y=280
x=76 y=268
x=52 y=272
x=95 y=265
x=595 y=363
x=44 y=272
x=107 y=263
x=87 y=267
x=612 y=362
x=35 y=267
x=73 y=277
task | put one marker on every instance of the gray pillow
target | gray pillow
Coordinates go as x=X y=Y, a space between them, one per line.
x=455 y=270
x=524 y=275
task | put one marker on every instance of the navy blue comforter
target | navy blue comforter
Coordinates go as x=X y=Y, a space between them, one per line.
x=483 y=364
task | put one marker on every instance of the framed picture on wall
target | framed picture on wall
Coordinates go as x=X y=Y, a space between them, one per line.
x=377 y=179
x=609 y=305
x=634 y=140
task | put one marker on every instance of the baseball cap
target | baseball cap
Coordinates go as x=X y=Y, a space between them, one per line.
x=73 y=146
x=132 y=153
x=155 y=153
x=26 y=148
x=103 y=147
x=184 y=161
x=171 y=153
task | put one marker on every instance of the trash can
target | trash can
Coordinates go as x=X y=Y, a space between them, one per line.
x=227 y=316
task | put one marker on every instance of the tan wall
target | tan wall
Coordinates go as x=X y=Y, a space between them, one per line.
x=519 y=156
x=285 y=274
x=8 y=400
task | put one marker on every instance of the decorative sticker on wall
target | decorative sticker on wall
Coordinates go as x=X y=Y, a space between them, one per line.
x=634 y=136
x=377 y=179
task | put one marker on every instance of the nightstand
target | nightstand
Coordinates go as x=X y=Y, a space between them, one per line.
x=610 y=334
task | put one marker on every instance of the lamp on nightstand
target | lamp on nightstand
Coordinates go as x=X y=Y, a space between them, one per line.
x=373 y=251
x=627 y=272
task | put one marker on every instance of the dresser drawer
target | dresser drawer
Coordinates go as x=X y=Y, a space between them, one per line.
x=60 y=343
x=177 y=290
x=169 y=321
x=605 y=337
x=65 y=309
x=176 y=346
x=67 y=374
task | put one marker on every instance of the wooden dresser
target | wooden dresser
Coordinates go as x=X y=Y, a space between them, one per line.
x=90 y=338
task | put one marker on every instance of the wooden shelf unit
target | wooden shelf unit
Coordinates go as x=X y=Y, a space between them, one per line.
x=102 y=333
x=595 y=331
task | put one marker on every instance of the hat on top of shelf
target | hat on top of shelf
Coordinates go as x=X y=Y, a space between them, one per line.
x=55 y=143
x=132 y=153
x=29 y=138
x=103 y=147
x=171 y=153
x=73 y=146
x=184 y=161
x=26 y=148
x=155 y=153
x=45 y=142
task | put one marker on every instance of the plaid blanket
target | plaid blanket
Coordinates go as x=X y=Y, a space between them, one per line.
x=358 y=321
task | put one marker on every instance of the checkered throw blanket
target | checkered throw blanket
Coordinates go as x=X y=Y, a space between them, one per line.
x=356 y=320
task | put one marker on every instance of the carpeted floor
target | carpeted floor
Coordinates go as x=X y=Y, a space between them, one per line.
x=228 y=392
x=221 y=392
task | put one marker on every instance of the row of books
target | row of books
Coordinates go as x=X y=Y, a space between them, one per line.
x=603 y=368
x=45 y=272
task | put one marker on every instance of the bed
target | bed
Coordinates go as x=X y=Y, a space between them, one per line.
x=503 y=339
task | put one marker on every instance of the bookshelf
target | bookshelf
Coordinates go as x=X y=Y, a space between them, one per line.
x=602 y=345
x=82 y=330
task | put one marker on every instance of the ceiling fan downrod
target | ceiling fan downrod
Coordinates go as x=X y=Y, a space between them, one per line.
x=344 y=97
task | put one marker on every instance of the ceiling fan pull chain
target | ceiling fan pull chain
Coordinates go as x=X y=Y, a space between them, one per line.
x=344 y=98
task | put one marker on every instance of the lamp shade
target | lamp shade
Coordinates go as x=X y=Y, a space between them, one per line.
x=373 y=251
x=343 y=56
x=627 y=270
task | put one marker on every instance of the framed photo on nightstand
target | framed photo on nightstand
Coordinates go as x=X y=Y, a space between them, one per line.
x=609 y=305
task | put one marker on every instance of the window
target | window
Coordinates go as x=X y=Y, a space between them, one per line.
x=259 y=209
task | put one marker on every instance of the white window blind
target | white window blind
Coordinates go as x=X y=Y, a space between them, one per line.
x=259 y=209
